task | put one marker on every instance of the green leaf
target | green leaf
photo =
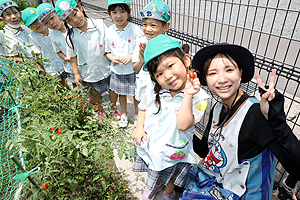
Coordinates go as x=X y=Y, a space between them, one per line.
x=70 y=137
x=120 y=153
x=73 y=187
x=131 y=152
x=85 y=152
x=96 y=177
x=97 y=155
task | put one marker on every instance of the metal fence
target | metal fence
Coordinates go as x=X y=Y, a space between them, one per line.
x=270 y=29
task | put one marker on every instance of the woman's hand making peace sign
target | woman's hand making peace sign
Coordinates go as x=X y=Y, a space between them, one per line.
x=269 y=95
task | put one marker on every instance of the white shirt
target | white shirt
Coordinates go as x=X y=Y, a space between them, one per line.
x=17 y=41
x=43 y=44
x=122 y=43
x=89 y=48
x=166 y=142
x=59 y=44
x=2 y=49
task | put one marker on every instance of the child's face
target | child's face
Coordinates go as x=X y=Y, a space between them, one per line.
x=76 y=18
x=36 y=26
x=12 y=16
x=171 y=73
x=119 y=16
x=52 y=21
x=153 y=27
x=223 y=78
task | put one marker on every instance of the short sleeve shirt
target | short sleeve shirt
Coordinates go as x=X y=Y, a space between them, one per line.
x=122 y=43
x=89 y=48
x=59 y=44
x=17 y=41
x=56 y=64
x=166 y=141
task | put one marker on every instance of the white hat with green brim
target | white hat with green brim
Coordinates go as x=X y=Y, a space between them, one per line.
x=64 y=8
x=4 y=4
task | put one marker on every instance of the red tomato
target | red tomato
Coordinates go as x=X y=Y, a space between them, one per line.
x=69 y=98
x=46 y=185
x=53 y=128
x=191 y=74
x=43 y=188
x=59 y=131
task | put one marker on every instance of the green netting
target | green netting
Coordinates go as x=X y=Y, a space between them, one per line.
x=9 y=126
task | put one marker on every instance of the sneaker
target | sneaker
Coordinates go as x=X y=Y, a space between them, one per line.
x=116 y=113
x=124 y=121
x=150 y=194
x=134 y=120
x=169 y=197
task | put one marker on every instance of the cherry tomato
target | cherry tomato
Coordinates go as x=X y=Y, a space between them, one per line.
x=191 y=74
x=69 y=98
x=59 y=131
x=54 y=137
x=46 y=185
x=53 y=128
x=43 y=188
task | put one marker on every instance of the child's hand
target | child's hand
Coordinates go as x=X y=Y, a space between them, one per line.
x=126 y=59
x=142 y=47
x=269 y=95
x=116 y=61
x=77 y=79
x=138 y=134
x=192 y=85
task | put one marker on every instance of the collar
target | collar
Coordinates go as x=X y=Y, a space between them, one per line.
x=166 y=93
x=14 y=31
x=90 y=26
x=117 y=30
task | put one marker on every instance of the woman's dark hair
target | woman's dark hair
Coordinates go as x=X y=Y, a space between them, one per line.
x=152 y=67
x=70 y=30
x=209 y=59
x=123 y=7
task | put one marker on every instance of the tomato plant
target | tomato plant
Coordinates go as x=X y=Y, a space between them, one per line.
x=64 y=138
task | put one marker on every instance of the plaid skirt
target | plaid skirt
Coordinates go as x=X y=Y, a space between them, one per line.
x=178 y=173
x=123 y=84
x=100 y=86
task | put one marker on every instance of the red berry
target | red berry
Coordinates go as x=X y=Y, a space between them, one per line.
x=191 y=74
x=43 y=188
x=58 y=131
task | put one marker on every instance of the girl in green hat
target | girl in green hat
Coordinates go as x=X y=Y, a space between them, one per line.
x=86 y=49
x=166 y=118
x=121 y=39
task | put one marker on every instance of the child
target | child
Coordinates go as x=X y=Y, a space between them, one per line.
x=40 y=39
x=15 y=34
x=57 y=33
x=239 y=143
x=155 y=22
x=85 y=47
x=166 y=118
x=120 y=40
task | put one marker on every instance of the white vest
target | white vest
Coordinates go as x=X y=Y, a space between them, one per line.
x=222 y=158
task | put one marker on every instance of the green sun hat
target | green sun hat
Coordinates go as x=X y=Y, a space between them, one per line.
x=29 y=15
x=64 y=8
x=4 y=4
x=157 y=10
x=157 y=46
x=43 y=10
x=111 y=2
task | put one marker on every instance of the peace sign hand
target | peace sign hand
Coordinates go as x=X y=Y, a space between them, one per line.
x=269 y=95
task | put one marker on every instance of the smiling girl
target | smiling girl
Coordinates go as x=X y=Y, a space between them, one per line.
x=166 y=118
x=241 y=138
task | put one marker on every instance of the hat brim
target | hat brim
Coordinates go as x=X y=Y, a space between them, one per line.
x=29 y=22
x=243 y=55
